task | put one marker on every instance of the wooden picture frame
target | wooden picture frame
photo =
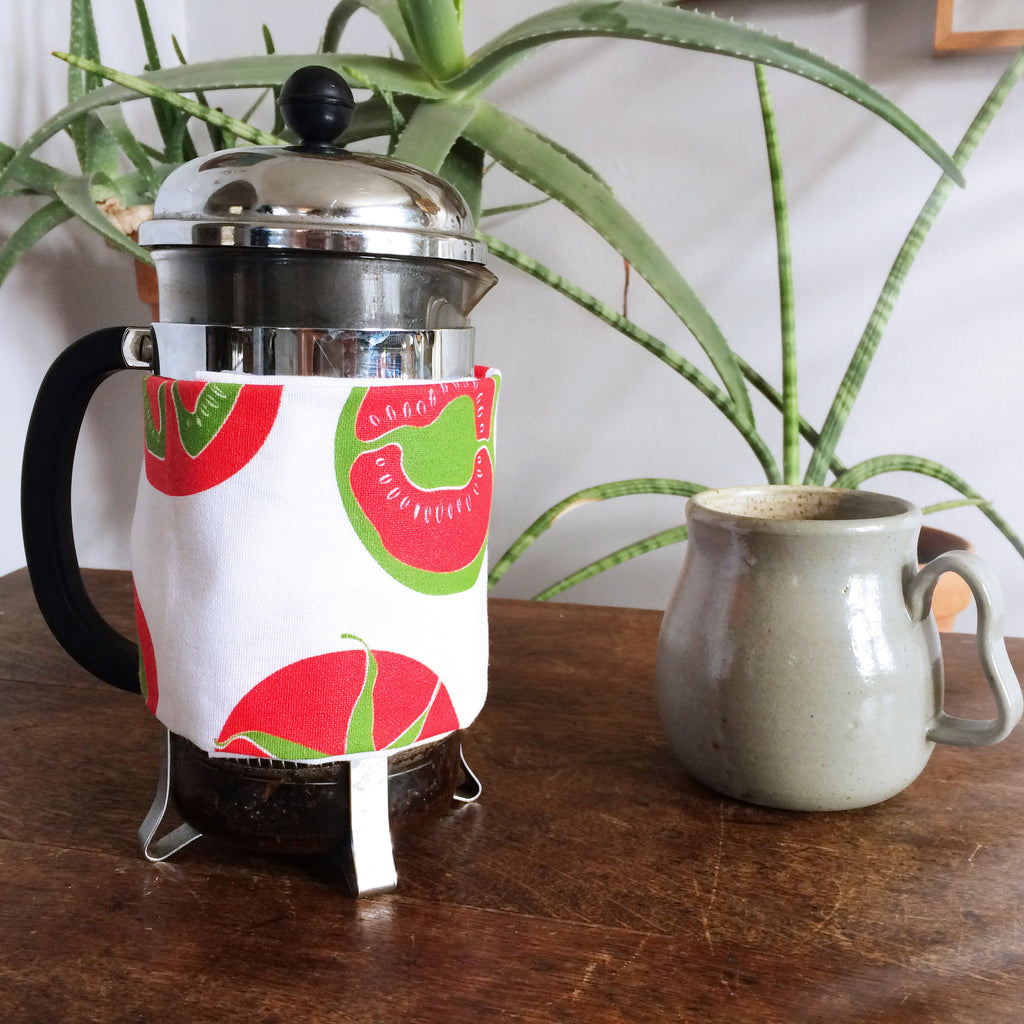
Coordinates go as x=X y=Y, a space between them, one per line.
x=978 y=25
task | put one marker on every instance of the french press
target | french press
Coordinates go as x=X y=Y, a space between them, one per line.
x=314 y=498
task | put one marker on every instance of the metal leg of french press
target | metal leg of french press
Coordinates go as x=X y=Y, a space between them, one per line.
x=373 y=861
x=470 y=788
x=168 y=845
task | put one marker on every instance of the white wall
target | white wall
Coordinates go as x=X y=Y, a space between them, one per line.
x=678 y=136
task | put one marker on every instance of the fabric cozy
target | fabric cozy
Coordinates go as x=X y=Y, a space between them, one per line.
x=309 y=559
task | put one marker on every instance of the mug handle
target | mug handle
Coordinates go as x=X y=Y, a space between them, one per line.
x=50 y=443
x=995 y=663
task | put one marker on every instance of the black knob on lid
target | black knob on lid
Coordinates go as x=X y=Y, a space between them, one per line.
x=317 y=105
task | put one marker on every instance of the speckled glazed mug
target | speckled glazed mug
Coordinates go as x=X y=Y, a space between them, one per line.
x=798 y=663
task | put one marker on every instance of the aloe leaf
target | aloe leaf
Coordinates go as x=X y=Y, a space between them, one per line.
x=374 y=117
x=669 y=356
x=162 y=114
x=432 y=131
x=237 y=73
x=639 y=19
x=601 y=492
x=386 y=10
x=429 y=137
x=33 y=175
x=463 y=167
x=215 y=134
x=575 y=158
x=435 y=28
x=95 y=148
x=148 y=40
x=381 y=116
x=945 y=506
x=103 y=148
x=269 y=70
x=278 y=126
x=613 y=318
x=193 y=107
x=133 y=189
x=76 y=195
x=774 y=396
x=784 y=259
x=498 y=211
x=856 y=371
x=83 y=41
x=176 y=144
x=530 y=156
x=114 y=120
x=29 y=232
x=862 y=471
x=673 y=535
x=661 y=351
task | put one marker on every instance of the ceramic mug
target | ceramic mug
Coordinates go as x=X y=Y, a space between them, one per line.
x=798 y=663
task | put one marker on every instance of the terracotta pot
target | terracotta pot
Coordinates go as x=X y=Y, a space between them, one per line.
x=145 y=280
x=952 y=595
x=128 y=219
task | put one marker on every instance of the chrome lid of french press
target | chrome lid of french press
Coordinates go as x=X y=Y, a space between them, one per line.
x=313 y=196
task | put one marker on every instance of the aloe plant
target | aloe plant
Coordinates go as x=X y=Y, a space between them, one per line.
x=823 y=460
x=100 y=135
x=429 y=103
x=431 y=100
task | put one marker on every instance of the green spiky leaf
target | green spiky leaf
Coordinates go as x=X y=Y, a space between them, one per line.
x=31 y=175
x=236 y=73
x=602 y=492
x=671 y=26
x=386 y=10
x=77 y=195
x=114 y=121
x=464 y=168
x=684 y=367
x=863 y=471
x=431 y=132
x=673 y=535
x=871 y=337
x=435 y=28
x=530 y=156
x=29 y=232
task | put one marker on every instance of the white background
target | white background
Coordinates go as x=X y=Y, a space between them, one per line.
x=678 y=136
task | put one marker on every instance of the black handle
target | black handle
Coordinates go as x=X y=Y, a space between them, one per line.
x=46 y=509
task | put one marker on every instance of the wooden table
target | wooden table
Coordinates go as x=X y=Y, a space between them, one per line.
x=594 y=882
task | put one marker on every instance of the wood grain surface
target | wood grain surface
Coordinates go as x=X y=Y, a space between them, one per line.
x=593 y=882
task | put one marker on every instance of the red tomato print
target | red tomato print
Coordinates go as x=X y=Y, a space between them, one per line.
x=345 y=702
x=200 y=433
